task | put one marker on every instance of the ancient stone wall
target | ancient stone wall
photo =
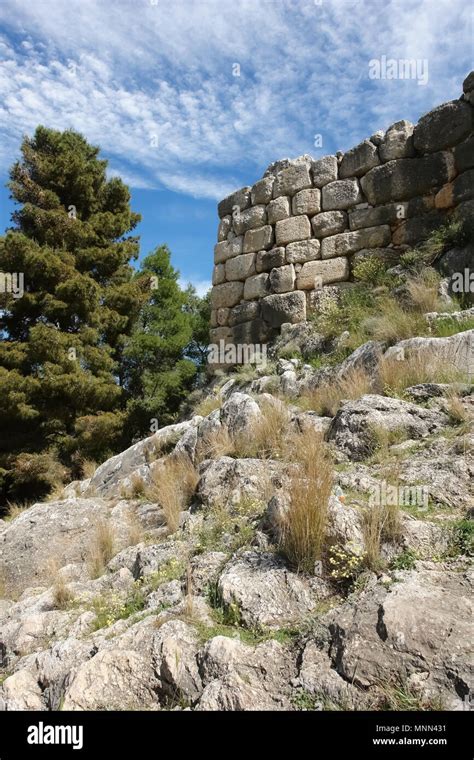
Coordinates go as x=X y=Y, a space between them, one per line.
x=306 y=223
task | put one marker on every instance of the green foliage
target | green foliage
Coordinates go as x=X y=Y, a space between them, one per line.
x=62 y=340
x=404 y=561
x=371 y=271
x=463 y=537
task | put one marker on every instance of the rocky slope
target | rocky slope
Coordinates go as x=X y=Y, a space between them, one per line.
x=114 y=599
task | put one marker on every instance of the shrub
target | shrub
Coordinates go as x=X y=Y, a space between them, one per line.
x=371 y=271
x=35 y=475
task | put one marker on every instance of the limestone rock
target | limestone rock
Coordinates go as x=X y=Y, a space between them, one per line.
x=443 y=127
x=342 y=194
x=359 y=160
x=292 y=229
x=397 y=142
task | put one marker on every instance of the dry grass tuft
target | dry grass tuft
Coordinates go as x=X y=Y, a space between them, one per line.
x=395 y=375
x=102 y=549
x=459 y=413
x=174 y=483
x=14 y=509
x=208 y=405
x=380 y=523
x=88 y=468
x=267 y=437
x=423 y=291
x=215 y=445
x=304 y=527
x=61 y=594
x=326 y=399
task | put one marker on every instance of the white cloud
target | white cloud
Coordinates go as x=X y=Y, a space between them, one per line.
x=123 y=72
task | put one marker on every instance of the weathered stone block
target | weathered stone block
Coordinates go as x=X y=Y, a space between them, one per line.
x=392 y=213
x=223 y=317
x=315 y=274
x=240 y=198
x=240 y=267
x=464 y=155
x=443 y=127
x=412 y=231
x=397 y=142
x=329 y=223
x=227 y=249
x=468 y=88
x=251 y=218
x=350 y=242
x=220 y=333
x=288 y=181
x=463 y=186
x=254 y=331
x=286 y=307
x=341 y=194
x=324 y=170
x=282 y=279
x=267 y=260
x=225 y=226
x=262 y=191
x=256 y=240
x=359 y=160
x=278 y=209
x=228 y=294
x=407 y=177
x=218 y=274
x=302 y=251
x=445 y=197
x=244 y=312
x=213 y=318
x=292 y=229
x=307 y=202
x=257 y=286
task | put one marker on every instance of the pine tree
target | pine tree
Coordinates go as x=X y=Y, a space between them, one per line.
x=62 y=340
x=158 y=373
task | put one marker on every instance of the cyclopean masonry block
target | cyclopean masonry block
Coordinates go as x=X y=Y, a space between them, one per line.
x=285 y=241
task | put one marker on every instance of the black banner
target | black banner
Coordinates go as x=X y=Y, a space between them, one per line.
x=118 y=734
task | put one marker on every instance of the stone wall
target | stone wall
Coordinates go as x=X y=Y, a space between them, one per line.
x=306 y=223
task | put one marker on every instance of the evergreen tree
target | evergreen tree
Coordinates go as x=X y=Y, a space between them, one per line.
x=62 y=341
x=158 y=374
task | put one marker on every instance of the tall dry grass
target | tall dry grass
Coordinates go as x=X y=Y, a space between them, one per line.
x=326 y=399
x=174 y=481
x=304 y=526
x=395 y=375
x=267 y=437
x=102 y=548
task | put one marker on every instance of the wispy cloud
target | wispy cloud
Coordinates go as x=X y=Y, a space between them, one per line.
x=154 y=85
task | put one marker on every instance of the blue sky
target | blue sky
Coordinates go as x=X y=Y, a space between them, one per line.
x=153 y=83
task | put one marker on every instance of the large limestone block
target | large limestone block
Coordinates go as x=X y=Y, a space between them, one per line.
x=397 y=142
x=329 y=223
x=227 y=249
x=391 y=213
x=252 y=217
x=285 y=307
x=226 y=295
x=225 y=226
x=240 y=199
x=307 y=202
x=341 y=194
x=350 y=242
x=412 y=231
x=303 y=251
x=258 y=239
x=407 y=178
x=278 y=209
x=218 y=274
x=443 y=127
x=315 y=274
x=463 y=187
x=267 y=260
x=262 y=191
x=292 y=229
x=324 y=170
x=359 y=160
x=240 y=267
x=244 y=312
x=282 y=279
x=257 y=286
x=464 y=155
x=288 y=181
